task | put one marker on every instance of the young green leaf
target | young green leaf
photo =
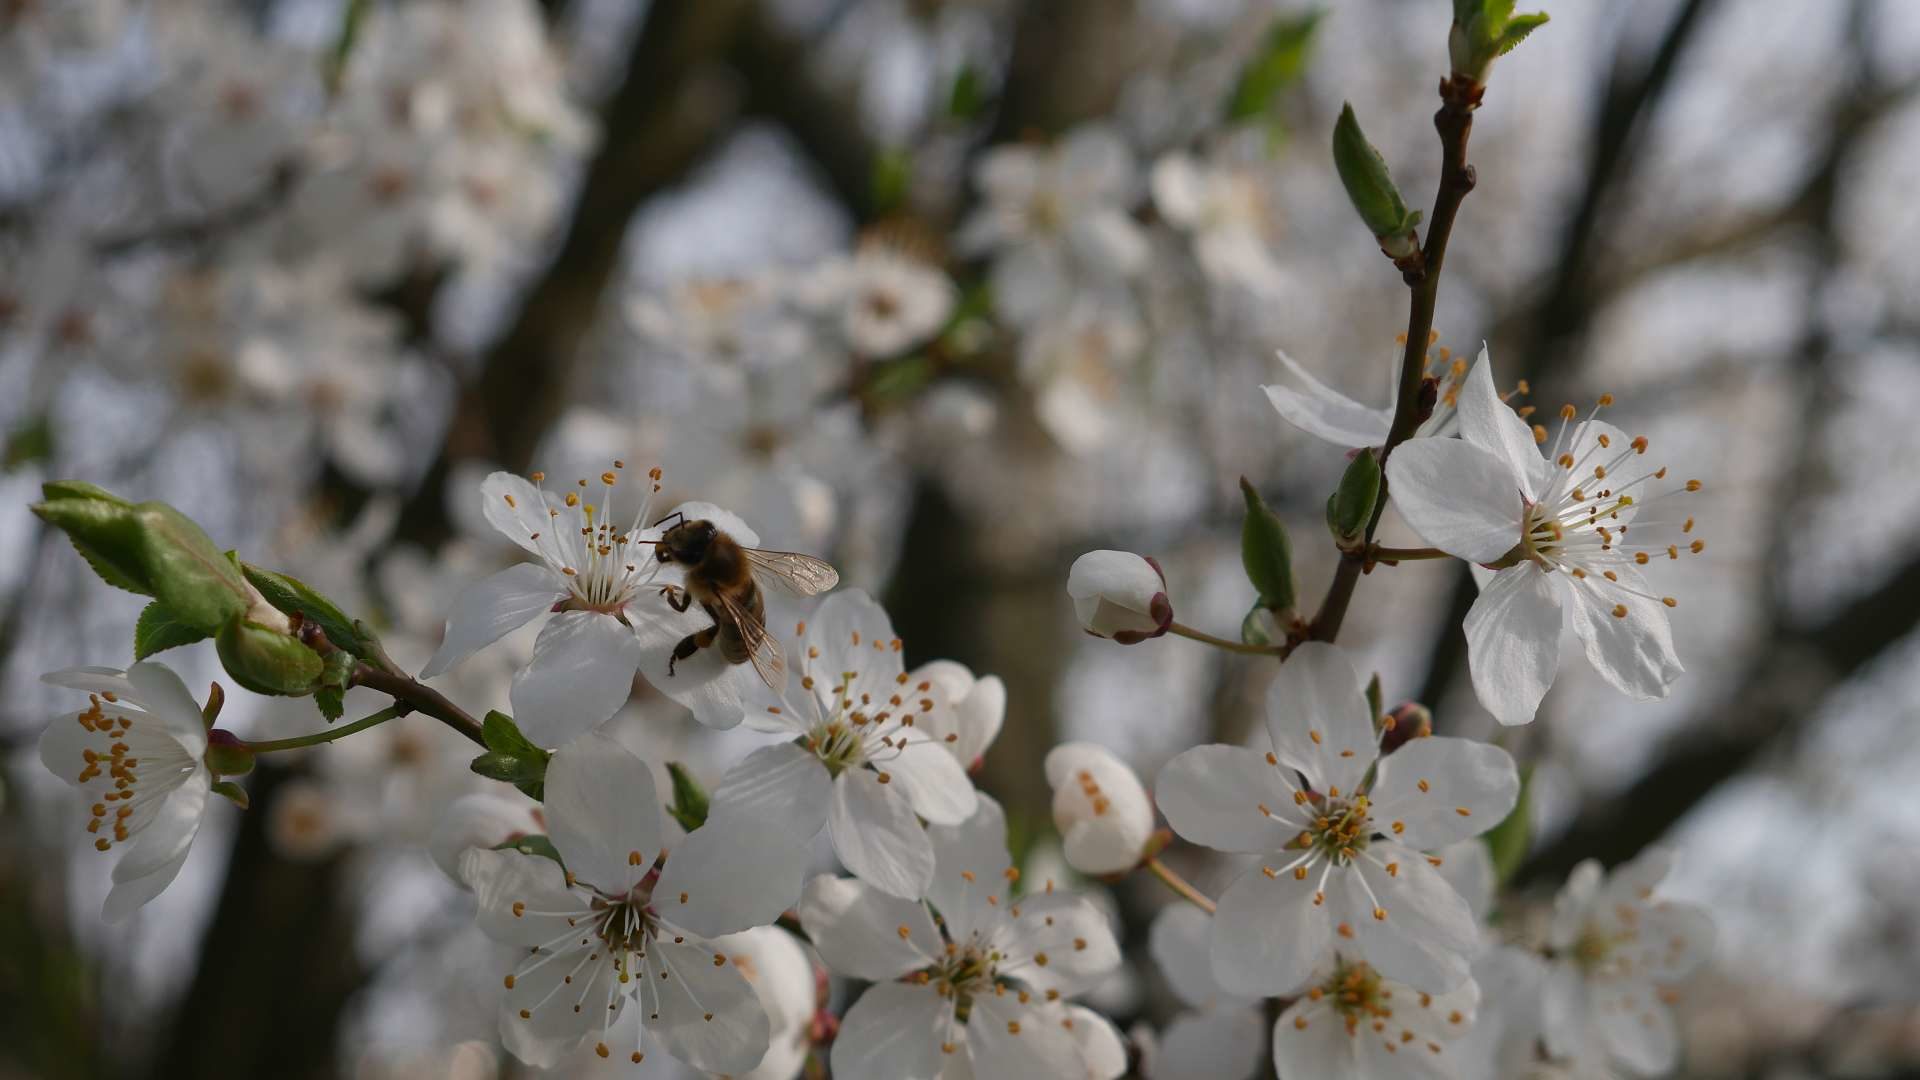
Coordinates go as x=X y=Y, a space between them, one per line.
x=159 y=629
x=1265 y=552
x=294 y=597
x=1370 y=187
x=1276 y=65
x=106 y=536
x=188 y=573
x=690 y=804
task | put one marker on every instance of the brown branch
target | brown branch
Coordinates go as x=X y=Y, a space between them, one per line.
x=419 y=697
x=1459 y=97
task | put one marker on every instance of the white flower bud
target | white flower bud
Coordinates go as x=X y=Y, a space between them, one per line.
x=1099 y=807
x=1120 y=595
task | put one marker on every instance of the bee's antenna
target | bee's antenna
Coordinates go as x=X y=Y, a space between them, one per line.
x=675 y=514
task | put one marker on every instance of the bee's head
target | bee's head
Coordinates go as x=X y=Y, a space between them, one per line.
x=686 y=542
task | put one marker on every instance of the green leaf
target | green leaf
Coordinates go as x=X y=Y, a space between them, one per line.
x=105 y=534
x=531 y=844
x=294 y=597
x=1370 y=187
x=892 y=178
x=159 y=630
x=1266 y=553
x=188 y=573
x=80 y=489
x=1353 y=500
x=1517 y=30
x=1276 y=65
x=895 y=381
x=500 y=733
x=335 y=673
x=527 y=773
x=1507 y=842
x=690 y=803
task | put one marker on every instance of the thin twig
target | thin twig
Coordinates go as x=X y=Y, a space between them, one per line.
x=417 y=695
x=1179 y=884
x=1223 y=643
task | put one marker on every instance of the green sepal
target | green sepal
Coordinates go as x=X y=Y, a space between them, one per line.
x=1259 y=626
x=1374 y=700
x=292 y=597
x=535 y=844
x=690 y=803
x=234 y=793
x=267 y=661
x=1370 y=187
x=159 y=630
x=1276 y=65
x=1351 y=508
x=1266 y=553
x=1507 y=842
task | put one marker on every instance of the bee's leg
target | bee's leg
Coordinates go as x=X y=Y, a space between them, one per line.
x=691 y=644
x=678 y=598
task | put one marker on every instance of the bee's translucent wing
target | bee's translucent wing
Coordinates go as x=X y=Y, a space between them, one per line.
x=761 y=647
x=792 y=572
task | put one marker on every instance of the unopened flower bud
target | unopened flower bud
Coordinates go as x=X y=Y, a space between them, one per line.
x=1404 y=724
x=1100 y=808
x=227 y=755
x=266 y=660
x=1120 y=595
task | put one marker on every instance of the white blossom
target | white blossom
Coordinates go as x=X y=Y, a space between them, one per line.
x=1120 y=595
x=1099 y=807
x=1556 y=529
x=978 y=992
x=1342 y=832
x=601 y=952
x=1616 y=953
x=862 y=763
x=1353 y=1024
x=1226 y=208
x=887 y=301
x=136 y=753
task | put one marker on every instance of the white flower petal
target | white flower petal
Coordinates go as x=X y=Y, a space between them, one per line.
x=159 y=691
x=877 y=836
x=602 y=813
x=517 y=508
x=782 y=788
x=1675 y=939
x=1268 y=934
x=1458 y=497
x=1177 y=941
x=1428 y=783
x=1325 y=413
x=552 y=1028
x=1319 y=720
x=1119 y=595
x=934 y=782
x=501 y=879
x=1467 y=865
x=857 y=929
x=1101 y=1047
x=94 y=680
x=1493 y=426
x=1221 y=1044
x=1011 y=1041
x=718 y=693
x=1212 y=796
x=1071 y=933
x=493 y=608
x=1634 y=653
x=970 y=861
x=1574 y=904
x=1319 y=1048
x=1566 y=1024
x=1635 y=1026
x=479 y=820
x=855 y=635
x=1513 y=642
x=734 y=872
x=710 y=1017
x=1428 y=932
x=1177 y=189
x=159 y=851
x=580 y=674
x=894 y=1032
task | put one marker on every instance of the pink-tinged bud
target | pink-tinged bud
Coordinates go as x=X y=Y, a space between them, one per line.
x=1404 y=724
x=1101 y=809
x=1120 y=595
x=227 y=755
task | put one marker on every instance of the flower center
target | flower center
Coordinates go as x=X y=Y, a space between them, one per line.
x=850 y=727
x=1339 y=831
x=1355 y=993
x=110 y=763
x=604 y=571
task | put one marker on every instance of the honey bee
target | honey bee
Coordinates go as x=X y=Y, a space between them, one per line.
x=725 y=577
